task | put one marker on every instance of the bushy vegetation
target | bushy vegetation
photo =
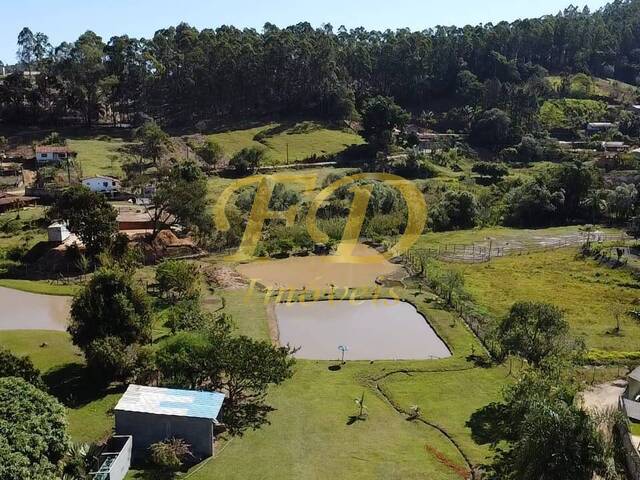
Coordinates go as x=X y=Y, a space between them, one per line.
x=33 y=432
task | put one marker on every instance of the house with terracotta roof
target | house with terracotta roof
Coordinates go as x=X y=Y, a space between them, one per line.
x=48 y=154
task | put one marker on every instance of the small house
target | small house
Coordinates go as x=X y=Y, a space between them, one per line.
x=51 y=154
x=614 y=147
x=57 y=232
x=102 y=184
x=630 y=400
x=151 y=415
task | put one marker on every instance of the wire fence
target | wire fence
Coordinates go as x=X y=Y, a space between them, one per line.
x=476 y=253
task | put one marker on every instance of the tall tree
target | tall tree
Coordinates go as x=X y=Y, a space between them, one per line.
x=87 y=214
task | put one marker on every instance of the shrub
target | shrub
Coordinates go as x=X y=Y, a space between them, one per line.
x=178 y=279
x=107 y=359
x=33 y=435
x=456 y=210
x=247 y=160
x=13 y=366
x=170 y=454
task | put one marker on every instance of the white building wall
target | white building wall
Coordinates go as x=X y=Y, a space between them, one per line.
x=102 y=185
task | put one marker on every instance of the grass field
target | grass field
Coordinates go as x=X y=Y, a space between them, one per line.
x=22 y=227
x=99 y=157
x=433 y=392
x=301 y=140
x=310 y=423
x=59 y=350
x=44 y=287
x=585 y=290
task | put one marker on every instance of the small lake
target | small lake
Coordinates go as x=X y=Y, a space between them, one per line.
x=370 y=329
x=29 y=311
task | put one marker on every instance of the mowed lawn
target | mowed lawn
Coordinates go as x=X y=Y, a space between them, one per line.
x=434 y=393
x=302 y=140
x=57 y=352
x=100 y=157
x=310 y=434
x=309 y=430
x=585 y=290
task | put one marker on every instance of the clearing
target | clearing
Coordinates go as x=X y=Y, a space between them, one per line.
x=289 y=142
x=473 y=245
x=583 y=288
x=100 y=156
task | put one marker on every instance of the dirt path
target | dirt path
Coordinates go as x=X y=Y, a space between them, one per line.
x=604 y=396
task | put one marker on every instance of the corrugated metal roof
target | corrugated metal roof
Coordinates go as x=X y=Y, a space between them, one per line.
x=635 y=374
x=53 y=149
x=632 y=409
x=167 y=401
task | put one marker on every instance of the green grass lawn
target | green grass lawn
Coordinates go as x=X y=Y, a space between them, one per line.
x=44 y=287
x=59 y=350
x=302 y=139
x=22 y=227
x=94 y=421
x=585 y=290
x=310 y=422
x=100 y=157
x=434 y=392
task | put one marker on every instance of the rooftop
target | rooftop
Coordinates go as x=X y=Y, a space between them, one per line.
x=167 y=401
x=53 y=149
x=106 y=177
x=635 y=375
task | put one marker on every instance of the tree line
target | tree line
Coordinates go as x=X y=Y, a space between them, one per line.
x=184 y=75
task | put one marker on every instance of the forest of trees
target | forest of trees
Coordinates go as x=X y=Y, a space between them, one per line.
x=182 y=76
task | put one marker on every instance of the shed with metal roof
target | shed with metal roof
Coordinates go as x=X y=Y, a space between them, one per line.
x=151 y=415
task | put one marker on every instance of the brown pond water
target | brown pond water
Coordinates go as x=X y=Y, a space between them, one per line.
x=371 y=330
x=30 y=311
x=319 y=272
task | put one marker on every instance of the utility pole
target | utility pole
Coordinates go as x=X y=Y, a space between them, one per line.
x=287 y=154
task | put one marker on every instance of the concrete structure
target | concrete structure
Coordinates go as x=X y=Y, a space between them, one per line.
x=614 y=146
x=46 y=154
x=102 y=184
x=152 y=415
x=115 y=459
x=595 y=127
x=630 y=405
x=57 y=232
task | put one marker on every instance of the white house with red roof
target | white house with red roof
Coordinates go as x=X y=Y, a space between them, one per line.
x=46 y=154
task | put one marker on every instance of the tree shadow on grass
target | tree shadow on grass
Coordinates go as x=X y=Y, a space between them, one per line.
x=488 y=424
x=356 y=418
x=72 y=385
